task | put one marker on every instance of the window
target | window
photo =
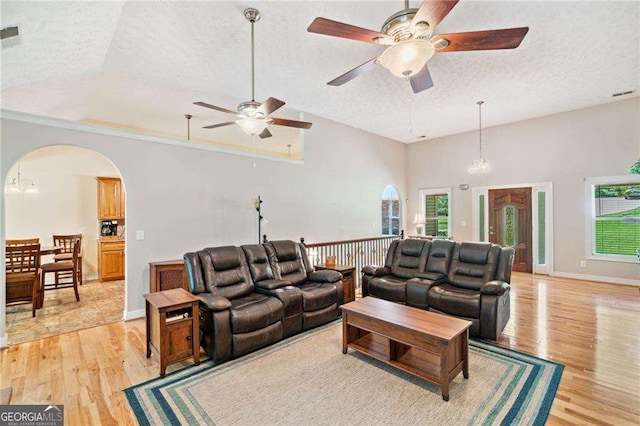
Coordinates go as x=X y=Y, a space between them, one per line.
x=614 y=218
x=390 y=211
x=437 y=215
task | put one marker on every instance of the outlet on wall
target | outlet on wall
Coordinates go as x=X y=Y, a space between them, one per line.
x=583 y=263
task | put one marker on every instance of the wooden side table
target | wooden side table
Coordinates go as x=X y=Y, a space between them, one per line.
x=167 y=275
x=348 y=281
x=173 y=326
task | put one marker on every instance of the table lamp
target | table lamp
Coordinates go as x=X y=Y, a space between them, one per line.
x=418 y=220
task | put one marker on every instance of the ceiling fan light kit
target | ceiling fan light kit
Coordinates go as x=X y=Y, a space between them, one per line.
x=252 y=126
x=408 y=57
x=254 y=117
x=409 y=35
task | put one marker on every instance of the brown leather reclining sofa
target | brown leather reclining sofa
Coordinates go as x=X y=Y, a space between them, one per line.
x=466 y=280
x=255 y=295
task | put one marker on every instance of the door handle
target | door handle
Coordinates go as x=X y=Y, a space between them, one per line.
x=491 y=233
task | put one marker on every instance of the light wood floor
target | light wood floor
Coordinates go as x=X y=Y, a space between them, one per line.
x=591 y=328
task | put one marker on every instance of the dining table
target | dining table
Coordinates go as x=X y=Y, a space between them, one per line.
x=49 y=250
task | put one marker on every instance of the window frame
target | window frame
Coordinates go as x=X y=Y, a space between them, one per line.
x=436 y=191
x=590 y=202
x=389 y=213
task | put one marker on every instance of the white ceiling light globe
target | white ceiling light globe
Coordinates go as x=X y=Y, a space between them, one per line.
x=252 y=126
x=407 y=58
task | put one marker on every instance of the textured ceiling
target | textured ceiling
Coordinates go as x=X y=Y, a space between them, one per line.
x=142 y=64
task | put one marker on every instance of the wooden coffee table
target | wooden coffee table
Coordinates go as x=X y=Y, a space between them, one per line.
x=431 y=346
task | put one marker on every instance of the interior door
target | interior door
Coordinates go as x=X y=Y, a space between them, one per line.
x=510 y=224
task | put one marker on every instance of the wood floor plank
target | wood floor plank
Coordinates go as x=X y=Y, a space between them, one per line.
x=591 y=328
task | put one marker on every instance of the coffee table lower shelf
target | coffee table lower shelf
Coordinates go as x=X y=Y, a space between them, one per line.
x=439 y=365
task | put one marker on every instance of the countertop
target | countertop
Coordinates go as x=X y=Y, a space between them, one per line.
x=111 y=239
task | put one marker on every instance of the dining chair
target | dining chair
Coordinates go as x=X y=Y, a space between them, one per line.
x=22 y=242
x=68 y=267
x=67 y=243
x=22 y=269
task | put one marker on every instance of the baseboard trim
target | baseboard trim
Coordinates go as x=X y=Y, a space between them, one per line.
x=598 y=278
x=4 y=341
x=129 y=315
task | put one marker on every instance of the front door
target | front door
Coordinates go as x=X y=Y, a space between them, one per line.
x=510 y=223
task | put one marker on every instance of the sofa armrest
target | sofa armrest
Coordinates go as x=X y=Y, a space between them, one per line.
x=433 y=277
x=214 y=303
x=376 y=271
x=324 y=276
x=418 y=292
x=271 y=284
x=495 y=287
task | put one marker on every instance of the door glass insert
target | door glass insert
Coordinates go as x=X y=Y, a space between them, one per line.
x=510 y=226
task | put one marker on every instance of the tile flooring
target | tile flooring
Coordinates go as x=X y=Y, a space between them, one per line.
x=100 y=303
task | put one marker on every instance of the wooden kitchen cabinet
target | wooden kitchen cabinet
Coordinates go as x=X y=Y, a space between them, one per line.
x=110 y=198
x=111 y=262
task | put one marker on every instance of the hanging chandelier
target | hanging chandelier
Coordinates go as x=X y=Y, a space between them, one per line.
x=480 y=165
x=19 y=185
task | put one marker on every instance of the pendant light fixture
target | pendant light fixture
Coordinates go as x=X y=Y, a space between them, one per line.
x=480 y=165
x=19 y=185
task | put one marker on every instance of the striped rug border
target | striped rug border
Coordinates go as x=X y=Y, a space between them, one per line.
x=149 y=394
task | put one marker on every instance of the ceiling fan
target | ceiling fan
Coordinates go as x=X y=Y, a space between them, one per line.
x=254 y=117
x=409 y=35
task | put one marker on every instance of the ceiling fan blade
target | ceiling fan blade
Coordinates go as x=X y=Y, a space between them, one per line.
x=339 y=29
x=356 y=72
x=422 y=80
x=269 y=106
x=213 y=126
x=509 y=38
x=265 y=134
x=291 y=123
x=206 y=105
x=433 y=12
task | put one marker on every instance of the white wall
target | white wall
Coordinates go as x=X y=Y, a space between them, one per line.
x=186 y=199
x=67 y=202
x=563 y=148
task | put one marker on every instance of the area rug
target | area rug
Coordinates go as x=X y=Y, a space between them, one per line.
x=307 y=380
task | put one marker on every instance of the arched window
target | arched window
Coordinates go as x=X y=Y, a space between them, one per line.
x=390 y=211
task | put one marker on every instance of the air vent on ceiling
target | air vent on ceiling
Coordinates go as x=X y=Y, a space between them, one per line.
x=628 y=92
x=10 y=36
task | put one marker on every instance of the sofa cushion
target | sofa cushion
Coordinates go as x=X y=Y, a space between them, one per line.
x=318 y=295
x=440 y=256
x=254 y=312
x=225 y=271
x=410 y=257
x=389 y=288
x=258 y=262
x=475 y=253
x=287 y=261
x=455 y=301
x=473 y=264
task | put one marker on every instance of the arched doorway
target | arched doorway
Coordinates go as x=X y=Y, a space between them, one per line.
x=56 y=192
